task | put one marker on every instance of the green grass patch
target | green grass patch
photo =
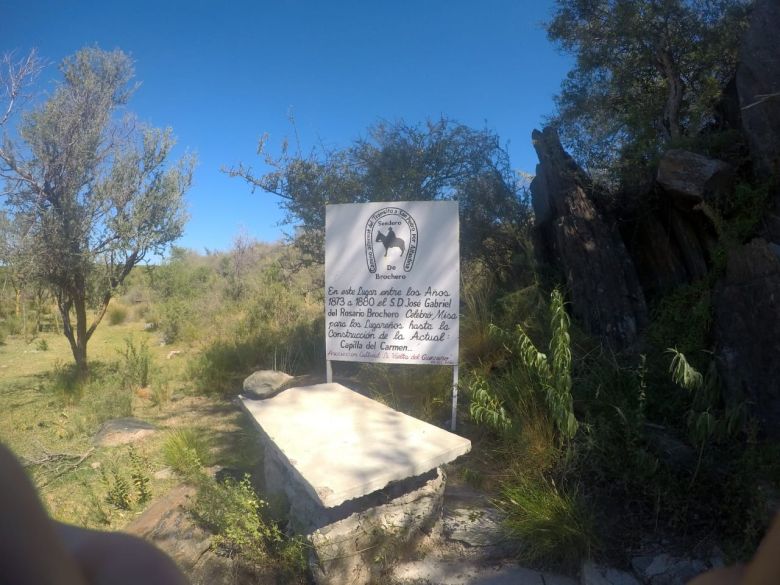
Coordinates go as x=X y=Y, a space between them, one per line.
x=554 y=526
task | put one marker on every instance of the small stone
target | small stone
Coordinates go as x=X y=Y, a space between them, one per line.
x=164 y=473
x=593 y=574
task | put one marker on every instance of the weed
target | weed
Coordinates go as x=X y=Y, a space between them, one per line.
x=551 y=375
x=139 y=476
x=42 y=345
x=136 y=364
x=117 y=489
x=161 y=390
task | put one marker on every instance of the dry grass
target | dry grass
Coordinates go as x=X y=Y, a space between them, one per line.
x=43 y=417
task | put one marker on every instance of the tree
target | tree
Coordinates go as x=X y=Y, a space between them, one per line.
x=399 y=162
x=647 y=72
x=89 y=191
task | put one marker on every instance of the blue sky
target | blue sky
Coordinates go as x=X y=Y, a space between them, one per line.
x=223 y=73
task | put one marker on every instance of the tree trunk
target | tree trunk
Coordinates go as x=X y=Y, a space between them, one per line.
x=80 y=351
x=78 y=338
x=674 y=96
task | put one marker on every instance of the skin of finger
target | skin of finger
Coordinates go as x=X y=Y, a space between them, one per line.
x=113 y=558
x=30 y=551
x=764 y=569
x=723 y=576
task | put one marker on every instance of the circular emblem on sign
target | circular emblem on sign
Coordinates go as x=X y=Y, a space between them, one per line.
x=391 y=234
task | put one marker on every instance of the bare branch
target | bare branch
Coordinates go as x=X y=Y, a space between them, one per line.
x=15 y=77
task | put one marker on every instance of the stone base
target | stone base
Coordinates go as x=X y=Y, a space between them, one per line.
x=352 y=543
x=357 y=548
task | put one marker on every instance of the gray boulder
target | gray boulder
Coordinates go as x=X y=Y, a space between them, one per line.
x=264 y=383
x=693 y=177
x=123 y=431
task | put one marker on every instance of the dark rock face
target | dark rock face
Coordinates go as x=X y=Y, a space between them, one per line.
x=758 y=85
x=657 y=255
x=747 y=329
x=571 y=233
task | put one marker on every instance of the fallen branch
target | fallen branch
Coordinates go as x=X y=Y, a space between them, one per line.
x=65 y=462
x=761 y=99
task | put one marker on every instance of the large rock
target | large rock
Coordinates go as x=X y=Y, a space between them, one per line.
x=264 y=383
x=747 y=329
x=694 y=177
x=758 y=85
x=573 y=234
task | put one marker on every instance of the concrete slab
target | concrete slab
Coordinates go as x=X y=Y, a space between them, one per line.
x=343 y=445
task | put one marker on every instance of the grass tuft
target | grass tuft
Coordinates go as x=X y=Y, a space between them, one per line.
x=186 y=452
x=554 y=527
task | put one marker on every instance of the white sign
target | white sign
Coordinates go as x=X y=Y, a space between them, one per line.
x=392 y=282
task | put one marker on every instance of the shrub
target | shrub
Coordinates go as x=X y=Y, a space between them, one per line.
x=233 y=511
x=116 y=315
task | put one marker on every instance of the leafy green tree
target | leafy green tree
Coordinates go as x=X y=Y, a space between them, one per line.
x=90 y=190
x=646 y=72
x=398 y=162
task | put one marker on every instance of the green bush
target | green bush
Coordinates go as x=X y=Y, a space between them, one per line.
x=117 y=315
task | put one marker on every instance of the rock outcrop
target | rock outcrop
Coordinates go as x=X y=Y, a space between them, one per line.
x=572 y=233
x=758 y=86
x=747 y=329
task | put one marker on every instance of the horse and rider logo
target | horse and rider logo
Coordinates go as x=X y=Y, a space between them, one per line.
x=395 y=229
